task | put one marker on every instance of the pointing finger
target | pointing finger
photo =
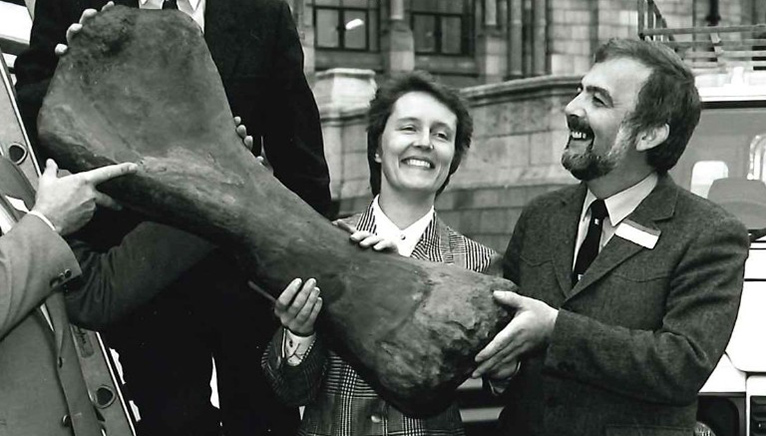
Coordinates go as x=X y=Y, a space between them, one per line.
x=103 y=174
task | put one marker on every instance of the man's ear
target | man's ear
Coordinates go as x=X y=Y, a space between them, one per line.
x=377 y=155
x=652 y=137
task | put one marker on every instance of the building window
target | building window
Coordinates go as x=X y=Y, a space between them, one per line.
x=346 y=24
x=442 y=27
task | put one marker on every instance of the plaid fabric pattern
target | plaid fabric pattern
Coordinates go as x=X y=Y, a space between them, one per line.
x=338 y=401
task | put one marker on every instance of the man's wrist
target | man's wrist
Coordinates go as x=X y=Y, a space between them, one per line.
x=551 y=324
x=44 y=219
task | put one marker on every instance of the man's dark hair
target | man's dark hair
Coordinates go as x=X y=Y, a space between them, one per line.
x=382 y=106
x=667 y=97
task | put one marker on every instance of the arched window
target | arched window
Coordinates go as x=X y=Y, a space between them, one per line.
x=347 y=24
x=705 y=173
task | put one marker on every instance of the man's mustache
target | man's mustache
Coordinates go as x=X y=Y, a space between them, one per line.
x=579 y=124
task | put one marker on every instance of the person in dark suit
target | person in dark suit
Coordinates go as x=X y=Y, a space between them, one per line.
x=43 y=390
x=166 y=347
x=629 y=284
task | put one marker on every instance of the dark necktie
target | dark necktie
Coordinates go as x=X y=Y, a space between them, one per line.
x=589 y=248
x=169 y=4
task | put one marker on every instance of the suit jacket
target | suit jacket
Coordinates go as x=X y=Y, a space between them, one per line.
x=43 y=391
x=338 y=401
x=255 y=45
x=204 y=305
x=639 y=334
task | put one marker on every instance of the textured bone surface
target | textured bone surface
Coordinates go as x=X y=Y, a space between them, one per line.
x=411 y=328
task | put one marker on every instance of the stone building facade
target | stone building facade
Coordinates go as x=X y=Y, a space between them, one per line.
x=518 y=63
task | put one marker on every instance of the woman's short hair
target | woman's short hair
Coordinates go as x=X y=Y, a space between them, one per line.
x=382 y=106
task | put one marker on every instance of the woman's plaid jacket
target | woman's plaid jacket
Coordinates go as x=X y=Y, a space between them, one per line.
x=339 y=402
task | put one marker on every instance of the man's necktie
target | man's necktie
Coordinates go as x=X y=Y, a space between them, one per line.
x=169 y=4
x=589 y=248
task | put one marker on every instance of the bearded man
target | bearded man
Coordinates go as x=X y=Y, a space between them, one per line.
x=629 y=284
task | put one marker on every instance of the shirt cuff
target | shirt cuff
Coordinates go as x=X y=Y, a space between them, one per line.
x=498 y=386
x=44 y=218
x=295 y=348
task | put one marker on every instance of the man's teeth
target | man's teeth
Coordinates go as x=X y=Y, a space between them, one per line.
x=417 y=163
x=577 y=135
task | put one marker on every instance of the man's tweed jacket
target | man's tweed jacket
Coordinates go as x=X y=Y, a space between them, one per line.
x=637 y=337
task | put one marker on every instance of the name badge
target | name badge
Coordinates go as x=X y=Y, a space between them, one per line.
x=638 y=234
x=17 y=204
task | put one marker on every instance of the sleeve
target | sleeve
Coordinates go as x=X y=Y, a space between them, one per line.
x=294 y=385
x=147 y=260
x=35 y=66
x=495 y=267
x=670 y=364
x=292 y=131
x=34 y=260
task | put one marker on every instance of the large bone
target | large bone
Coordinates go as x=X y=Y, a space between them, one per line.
x=411 y=328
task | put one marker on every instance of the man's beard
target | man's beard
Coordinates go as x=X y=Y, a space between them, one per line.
x=588 y=165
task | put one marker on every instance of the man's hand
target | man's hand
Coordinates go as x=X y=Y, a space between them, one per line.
x=70 y=201
x=298 y=307
x=247 y=141
x=75 y=28
x=241 y=129
x=367 y=239
x=530 y=328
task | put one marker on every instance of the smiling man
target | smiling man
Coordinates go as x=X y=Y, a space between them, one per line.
x=629 y=285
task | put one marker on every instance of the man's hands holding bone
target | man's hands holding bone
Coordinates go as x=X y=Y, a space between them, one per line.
x=530 y=328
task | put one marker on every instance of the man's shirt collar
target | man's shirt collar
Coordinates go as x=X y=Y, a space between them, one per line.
x=623 y=203
x=157 y=4
x=193 y=8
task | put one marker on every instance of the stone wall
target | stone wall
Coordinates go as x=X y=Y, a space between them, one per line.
x=520 y=128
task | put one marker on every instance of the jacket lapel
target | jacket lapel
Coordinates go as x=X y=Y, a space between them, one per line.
x=428 y=246
x=448 y=255
x=221 y=34
x=563 y=226
x=658 y=206
x=364 y=221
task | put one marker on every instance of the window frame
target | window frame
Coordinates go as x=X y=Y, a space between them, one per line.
x=341 y=11
x=466 y=48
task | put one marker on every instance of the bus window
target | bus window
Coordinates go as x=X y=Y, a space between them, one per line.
x=704 y=173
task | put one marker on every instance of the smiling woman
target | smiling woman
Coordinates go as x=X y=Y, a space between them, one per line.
x=417 y=134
